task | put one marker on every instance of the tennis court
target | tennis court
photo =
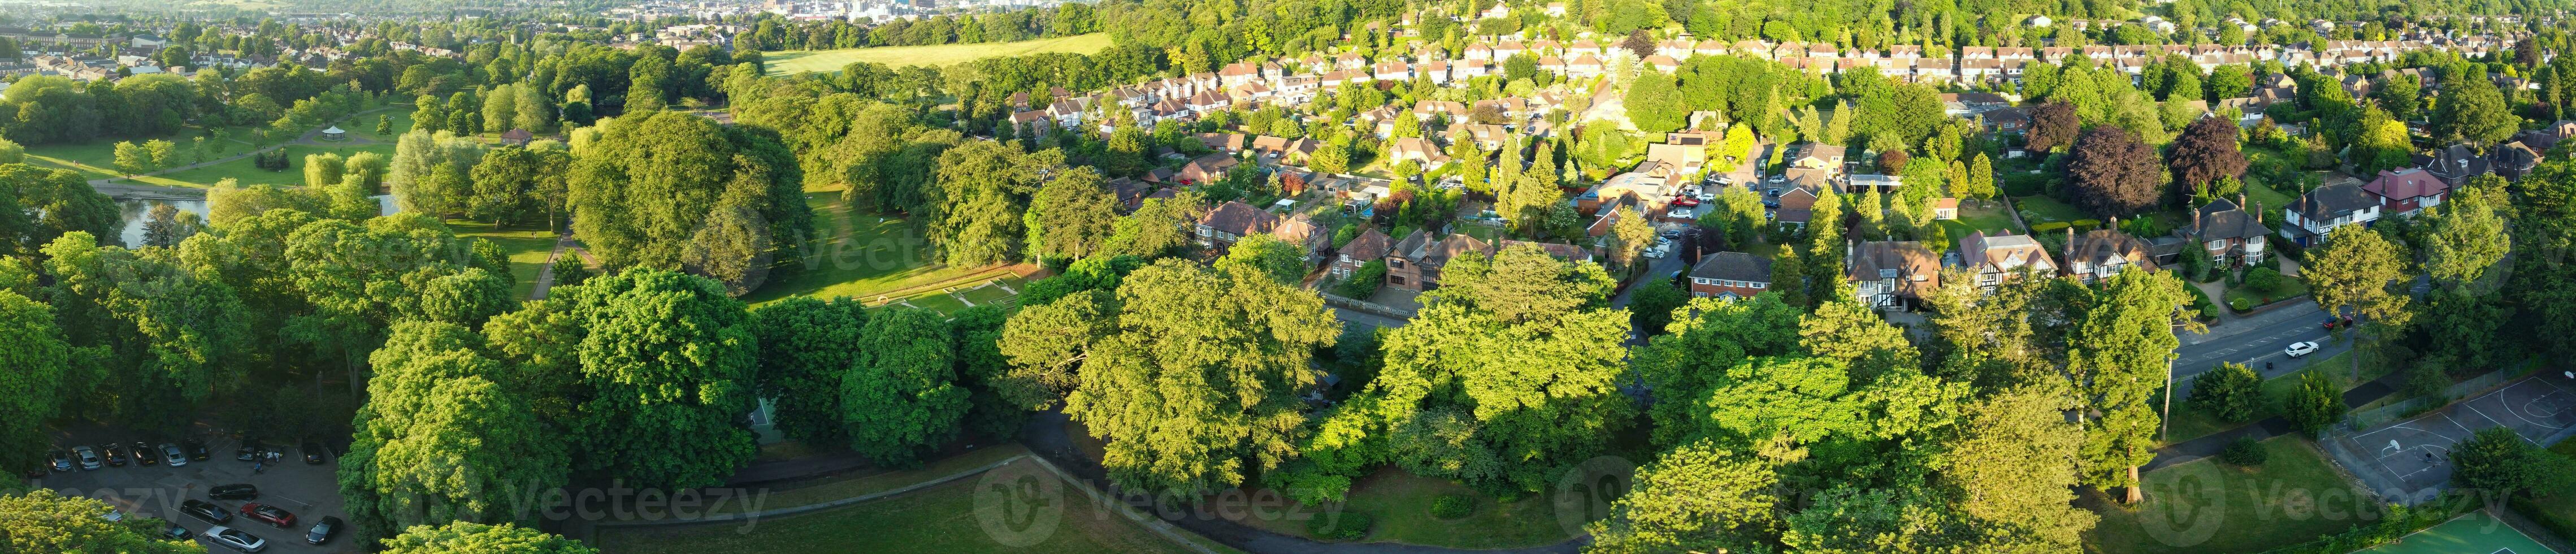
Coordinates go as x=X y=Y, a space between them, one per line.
x=2410 y=460
x=2473 y=533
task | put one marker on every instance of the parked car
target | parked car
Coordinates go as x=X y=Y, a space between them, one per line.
x=235 y=539
x=196 y=450
x=177 y=533
x=250 y=450
x=62 y=461
x=205 y=510
x=236 y=491
x=1656 y=253
x=271 y=514
x=177 y=457
x=88 y=457
x=2301 y=348
x=313 y=454
x=115 y=454
x=1686 y=201
x=145 y=455
x=323 y=532
x=2331 y=324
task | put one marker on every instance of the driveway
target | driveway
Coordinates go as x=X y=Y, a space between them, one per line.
x=309 y=491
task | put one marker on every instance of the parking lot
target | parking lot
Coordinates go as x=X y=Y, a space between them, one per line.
x=309 y=491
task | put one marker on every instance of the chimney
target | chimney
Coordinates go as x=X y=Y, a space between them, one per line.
x=2070 y=245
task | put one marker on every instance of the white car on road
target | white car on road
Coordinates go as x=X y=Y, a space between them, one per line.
x=2301 y=348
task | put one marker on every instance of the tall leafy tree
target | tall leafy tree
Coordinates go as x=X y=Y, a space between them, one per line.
x=476 y=538
x=1519 y=351
x=2471 y=109
x=2122 y=354
x=653 y=181
x=1073 y=215
x=32 y=347
x=1701 y=497
x=667 y=359
x=807 y=349
x=2205 y=152
x=442 y=439
x=974 y=205
x=2112 y=173
x=46 y=521
x=2014 y=463
x=2316 y=404
x=2052 y=126
x=904 y=394
x=2359 y=273
x=1193 y=378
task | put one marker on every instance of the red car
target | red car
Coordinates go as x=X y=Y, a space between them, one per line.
x=270 y=514
x=1686 y=201
x=2331 y=324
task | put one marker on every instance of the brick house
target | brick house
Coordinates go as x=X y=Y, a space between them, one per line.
x=1992 y=259
x=1891 y=275
x=2105 y=252
x=2320 y=211
x=2231 y=236
x=2407 y=191
x=1414 y=264
x=1370 y=246
x=1730 y=275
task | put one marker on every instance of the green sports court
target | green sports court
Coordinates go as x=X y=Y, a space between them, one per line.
x=2474 y=533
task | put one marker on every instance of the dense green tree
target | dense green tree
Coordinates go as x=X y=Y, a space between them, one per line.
x=1192 y=377
x=1693 y=358
x=32 y=347
x=476 y=538
x=1073 y=215
x=643 y=192
x=45 y=521
x=2316 y=404
x=974 y=205
x=2121 y=354
x=1654 y=104
x=903 y=395
x=1701 y=497
x=2232 y=392
x=442 y=439
x=2358 y=273
x=668 y=362
x=2473 y=110
x=2014 y=463
x=2497 y=461
x=172 y=341
x=807 y=349
x=1523 y=351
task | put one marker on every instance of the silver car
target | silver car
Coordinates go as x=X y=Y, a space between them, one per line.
x=235 y=539
x=88 y=457
x=176 y=456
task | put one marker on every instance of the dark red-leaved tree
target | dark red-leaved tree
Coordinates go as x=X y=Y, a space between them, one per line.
x=1891 y=162
x=2205 y=152
x=2052 y=125
x=2111 y=173
x=1638 y=43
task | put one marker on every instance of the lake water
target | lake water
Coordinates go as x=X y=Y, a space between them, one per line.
x=134 y=213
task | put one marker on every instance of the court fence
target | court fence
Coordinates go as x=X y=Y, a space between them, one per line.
x=2403 y=409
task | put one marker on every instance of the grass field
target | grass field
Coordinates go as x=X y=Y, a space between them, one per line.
x=2205 y=506
x=248 y=174
x=1400 y=505
x=2191 y=422
x=2041 y=209
x=2291 y=287
x=938 y=519
x=527 y=246
x=97 y=159
x=864 y=256
x=1979 y=216
x=807 y=61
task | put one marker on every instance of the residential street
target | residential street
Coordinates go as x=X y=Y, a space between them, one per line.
x=2256 y=340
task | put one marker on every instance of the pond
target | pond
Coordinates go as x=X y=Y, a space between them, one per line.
x=133 y=213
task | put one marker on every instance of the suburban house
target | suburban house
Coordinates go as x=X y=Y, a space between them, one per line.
x=1230 y=222
x=1814 y=165
x=2230 y=235
x=1994 y=258
x=1370 y=246
x=1415 y=262
x=2407 y=191
x=1730 y=275
x=2454 y=164
x=1796 y=207
x=1206 y=169
x=1891 y=275
x=2102 y=253
x=2320 y=211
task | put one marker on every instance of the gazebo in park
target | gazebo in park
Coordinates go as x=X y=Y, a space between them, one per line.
x=335 y=134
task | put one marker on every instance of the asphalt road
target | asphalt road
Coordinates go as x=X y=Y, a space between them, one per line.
x=2261 y=343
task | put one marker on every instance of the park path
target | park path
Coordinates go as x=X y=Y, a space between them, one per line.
x=546 y=273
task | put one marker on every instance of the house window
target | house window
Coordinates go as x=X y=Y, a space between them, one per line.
x=1394 y=263
x=2217 y=244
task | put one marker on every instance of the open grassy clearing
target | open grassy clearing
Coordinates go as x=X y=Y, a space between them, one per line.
x=1979 y=216
x=527 y=246
x=938 y=519
x=247 y=173
x=2041 y=209
x=2206 y=506
x=807 y=61
x=2191 y=422
x=864 y=256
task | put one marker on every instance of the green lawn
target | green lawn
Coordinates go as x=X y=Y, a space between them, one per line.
x=1979 y=216
x=2265 y=196
x=2290 y=288
x=2041 y=209
x=245 y=172
x=939 y=519
x=1400 y=505
x=864 y=256
x=2205 y=506
x=987 y=294
x=804 y=61
x=528 y=247
x=2191 y=422
x=97 y=159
